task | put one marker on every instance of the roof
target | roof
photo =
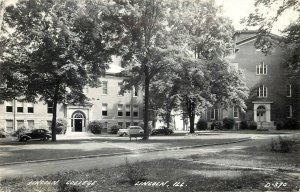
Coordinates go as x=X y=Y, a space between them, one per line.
x=253 y=34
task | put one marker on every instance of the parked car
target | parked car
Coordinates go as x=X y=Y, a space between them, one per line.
x=162 y=130
x=41 y=134
x=131 y=130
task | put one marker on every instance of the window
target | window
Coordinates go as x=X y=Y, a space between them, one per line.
x=20 y=123
x=120 y=110
x=50 y=107
x=135 y=111
x=214 y=114
x=135 y=91
x=262 y=91
x=104 y=87
x=261 y=69
x=9 y=125
x=20 y=107
x=9 y=109
x=30 y=124
x=289 y=111
x=120 y=85
x=289 y=90
x=127 y=124
x=120 y=124
x=30 y=108
x=236 y=112
x=127 y=109
x=104 y=109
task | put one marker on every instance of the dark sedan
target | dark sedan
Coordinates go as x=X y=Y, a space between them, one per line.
x=164 y=131
x=40 y=134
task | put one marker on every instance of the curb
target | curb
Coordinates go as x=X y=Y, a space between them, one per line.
x=126 y=153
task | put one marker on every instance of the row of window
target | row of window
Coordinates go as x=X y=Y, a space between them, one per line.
x=120 y=113
x=262 y=91
x=214 y=113
x=20 y=123
x=20 y=107
x=120 y=86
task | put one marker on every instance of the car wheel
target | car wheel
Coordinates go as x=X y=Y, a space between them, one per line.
x=24 y=139
x=46 y=138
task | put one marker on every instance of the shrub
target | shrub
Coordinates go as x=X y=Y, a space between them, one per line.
x=2 y=133
x=20 y=131
x=283 y=145
x=134 y=172
x=95 y=127
x=244 y=125
x=252 y=125
x=61 y=126
x=228 y=123
x=216 y=125
x=201 y=124
x=114 y=129
x=287 y=124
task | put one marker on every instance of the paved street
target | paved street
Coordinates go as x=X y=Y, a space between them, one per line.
x=45 y=168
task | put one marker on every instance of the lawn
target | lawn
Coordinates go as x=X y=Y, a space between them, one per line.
x=176 y=175
x=38 y=150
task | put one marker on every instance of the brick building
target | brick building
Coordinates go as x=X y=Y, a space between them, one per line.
x=105 y=104
x=272 y=95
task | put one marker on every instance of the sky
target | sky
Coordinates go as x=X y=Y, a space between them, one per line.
x=237 y=9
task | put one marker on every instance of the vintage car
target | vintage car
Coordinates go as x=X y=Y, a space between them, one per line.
x=40 y=134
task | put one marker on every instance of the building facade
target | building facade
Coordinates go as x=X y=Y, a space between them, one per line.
x=272 y=95
x=105 y=104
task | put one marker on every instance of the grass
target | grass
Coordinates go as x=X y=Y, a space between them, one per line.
x=192 y=176
x=20 y=151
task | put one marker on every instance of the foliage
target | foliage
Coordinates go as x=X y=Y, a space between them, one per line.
x=216 y=125
x=252 y=125
x=201 y=124
x=228 y=123
x=287 y=124
x=243 y=125
x=61 y=126
x=114 y=129
x=21 y=130
x=283 y=145
x=3 y=134
x=56 y=49
x=134 y=172
x=95 y=127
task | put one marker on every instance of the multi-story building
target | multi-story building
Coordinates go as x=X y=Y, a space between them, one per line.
x=105 y=104
x=272 y=95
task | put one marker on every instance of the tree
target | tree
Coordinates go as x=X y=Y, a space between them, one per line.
x=57 y=48
x=144 y=23
x=204 y=38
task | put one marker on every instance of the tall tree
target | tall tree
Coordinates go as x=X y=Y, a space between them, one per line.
x=206 y=38
x=57 y=48
x=144 y=22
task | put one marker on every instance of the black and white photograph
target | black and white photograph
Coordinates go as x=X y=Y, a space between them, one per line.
x=149 y=95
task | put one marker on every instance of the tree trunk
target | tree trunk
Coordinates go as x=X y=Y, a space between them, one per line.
x=168 y=118
x=146 y=103
x=190 y=105
x=53 y=126
x=192 y=122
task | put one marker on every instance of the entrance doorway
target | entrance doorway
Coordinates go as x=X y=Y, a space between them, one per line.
x=261 y=113
x=78 y=121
